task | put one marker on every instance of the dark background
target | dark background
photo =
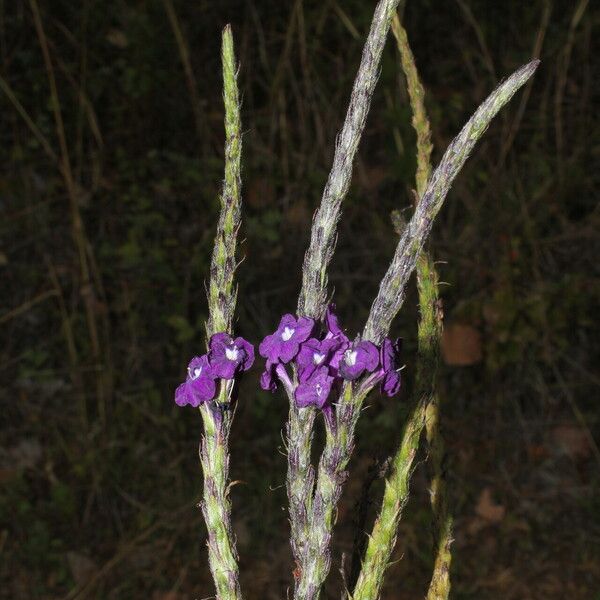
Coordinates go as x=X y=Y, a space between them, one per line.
x=98 y=468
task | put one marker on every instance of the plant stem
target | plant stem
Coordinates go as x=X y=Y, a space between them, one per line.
x=430 y=332
x=304 y=513
x=339 y=444
x=216 y=415
x=393 y=285
x=300 y=476
x=222 y=293
x=216 y=508
x=313 y=295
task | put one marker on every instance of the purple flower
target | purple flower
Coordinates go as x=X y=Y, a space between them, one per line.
x=199 y=386
x=228 y=356
x=283 y=345
x=390 y=353
x=333 y=328
x=268 y=380
x=316 y=353
x=360 y=357
x=315 y=390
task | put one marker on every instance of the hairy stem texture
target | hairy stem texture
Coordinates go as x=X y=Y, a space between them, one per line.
x=393 y=285
x=331 y=475
x=300 y=475
x=214 y=447
x=216 y=508
x=313 y=294
x=430 y=332
x=222 y=293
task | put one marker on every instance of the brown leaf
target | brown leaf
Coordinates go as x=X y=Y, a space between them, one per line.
x=488 y=509
x=461 y=345
x=572 y=439
x=82 y=568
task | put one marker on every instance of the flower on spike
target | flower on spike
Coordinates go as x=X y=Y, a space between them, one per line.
x=283 y=345
x=358 y=358
x=268 y=379
x=390 y=355
x=333 y=328
x=199 y=385
x=315 y=390
x=229 y=356
x=315 y=353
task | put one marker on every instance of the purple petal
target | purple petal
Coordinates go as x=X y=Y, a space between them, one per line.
x=331 y=321
x=219 y=341
x=391 y=383
x=201 y=390
x=316 y=390
x=222 y=367
x=371 y=355
x=269 y=347
x=268 y=380
x=304 y=329
x=181 y=395
x=248 y=349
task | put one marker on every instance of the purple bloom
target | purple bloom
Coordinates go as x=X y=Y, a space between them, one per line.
x=283 y=345
x=228 y=356
x=199 y=386
x=333 y=328
x=315 y=390
x=360 y=357
x=316 y=353
x=390 y=353
x=268 y=380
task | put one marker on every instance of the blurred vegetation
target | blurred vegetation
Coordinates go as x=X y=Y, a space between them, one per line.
x=99 y=470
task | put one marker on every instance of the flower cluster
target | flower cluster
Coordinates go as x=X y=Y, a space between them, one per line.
x=225 y=358
x=323 y=362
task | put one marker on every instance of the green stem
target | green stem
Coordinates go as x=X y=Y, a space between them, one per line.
x=430 y=331
x=216 y=415
x=300 y=476
x=222 y=292
x=393 y=285
x=331 y=475
x=216 y=508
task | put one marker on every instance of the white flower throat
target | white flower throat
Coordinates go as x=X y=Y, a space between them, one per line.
x=231 y=353
x=318 y=358
x=350 y=357
x=195 y=373
x=287 y=334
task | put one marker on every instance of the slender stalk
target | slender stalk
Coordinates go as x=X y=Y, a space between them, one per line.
x=393 y=285
x=331 y=475
x=313 y=295
x=395 y=496
x=300 y=477
x=222 y=293
x=430 y=332
x=217 y=418
x=216 y=507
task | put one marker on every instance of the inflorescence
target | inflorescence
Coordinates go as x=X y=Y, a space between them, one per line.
x=225 y=359
x=322 y=362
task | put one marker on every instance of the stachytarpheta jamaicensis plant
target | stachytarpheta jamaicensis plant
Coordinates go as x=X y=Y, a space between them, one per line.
x=322 y=369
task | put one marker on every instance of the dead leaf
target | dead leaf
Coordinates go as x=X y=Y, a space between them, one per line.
x=461 y=345
x=488 y=509
x=572 y=440
x=82 y=567
x=117 y=38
